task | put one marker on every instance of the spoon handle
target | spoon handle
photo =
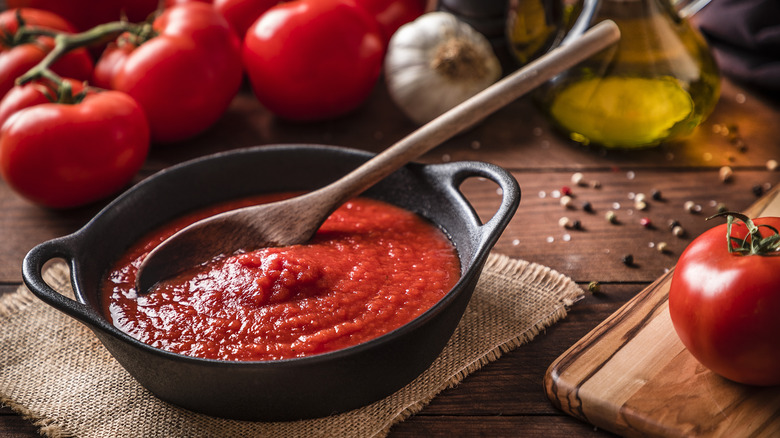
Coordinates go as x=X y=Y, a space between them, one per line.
x=473 y=110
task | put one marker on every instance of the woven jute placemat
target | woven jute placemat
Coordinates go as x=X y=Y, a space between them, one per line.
x=56 y=373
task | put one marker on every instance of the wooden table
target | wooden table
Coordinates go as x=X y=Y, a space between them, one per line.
x=506 y=397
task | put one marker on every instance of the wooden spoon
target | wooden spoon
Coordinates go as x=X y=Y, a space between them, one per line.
x=297 y=219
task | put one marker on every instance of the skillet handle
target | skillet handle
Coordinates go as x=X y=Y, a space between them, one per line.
x=459 y=171
x=32 y=274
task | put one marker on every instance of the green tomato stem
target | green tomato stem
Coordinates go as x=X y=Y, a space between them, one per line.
x=753 y=243
x=64 y=42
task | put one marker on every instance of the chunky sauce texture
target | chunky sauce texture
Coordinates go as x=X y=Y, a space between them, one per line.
x=371 y=268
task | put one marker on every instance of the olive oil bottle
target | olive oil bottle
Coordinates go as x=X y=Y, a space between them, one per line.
x=533 y=26
x=658 y=83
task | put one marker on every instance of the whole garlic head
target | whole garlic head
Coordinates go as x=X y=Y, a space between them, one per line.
x=436 y=62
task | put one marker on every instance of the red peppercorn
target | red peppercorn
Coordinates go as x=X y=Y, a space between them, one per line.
x=645 y=222
x=566 y=191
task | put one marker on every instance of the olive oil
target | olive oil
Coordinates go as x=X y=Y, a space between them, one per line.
x=658 y=83
x=627 y=112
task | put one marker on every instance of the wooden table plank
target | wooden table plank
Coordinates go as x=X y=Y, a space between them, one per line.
x=517 y=137
x=591 y=253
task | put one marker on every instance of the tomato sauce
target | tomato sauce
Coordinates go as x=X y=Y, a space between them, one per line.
x=371 y=268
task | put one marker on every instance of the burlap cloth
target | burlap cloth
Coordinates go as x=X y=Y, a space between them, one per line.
x=57 y=374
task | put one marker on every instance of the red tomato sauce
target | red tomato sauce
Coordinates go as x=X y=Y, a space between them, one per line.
x=371 y=268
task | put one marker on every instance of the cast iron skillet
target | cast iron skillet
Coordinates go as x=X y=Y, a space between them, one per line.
x=299 y=388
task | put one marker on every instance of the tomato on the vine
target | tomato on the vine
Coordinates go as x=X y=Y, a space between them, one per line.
x=74 y=152
x=20 y=53
x=23 y=96
x=724 y=301
x=184 y=73
x=313 y=59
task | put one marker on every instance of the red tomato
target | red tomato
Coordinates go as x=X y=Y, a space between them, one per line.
x=184 y=78
x=170 y=3
x=21 y=97
x=242 y=13
x=17 y=56
x=313 y=59
x=66 y=155
x=86 y=14
x=726 y=306
x=392 y=14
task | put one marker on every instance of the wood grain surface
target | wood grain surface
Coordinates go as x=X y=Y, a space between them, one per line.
x=506 y=397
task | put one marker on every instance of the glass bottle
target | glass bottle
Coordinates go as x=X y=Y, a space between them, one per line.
x=534 y=26
x=658 y=83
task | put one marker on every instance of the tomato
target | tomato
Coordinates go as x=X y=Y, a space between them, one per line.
x=313 y=59
x=86 y=14
x=170 y=3
x=726 y=306
x=18 y=55
x=242 y=13
x=66 y=155
x=392 y=14
x=20 y=97
x=184 y=78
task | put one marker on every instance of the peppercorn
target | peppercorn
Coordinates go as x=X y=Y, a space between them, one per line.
x=611 y=217
x=646 y=222
x=691 y=207
x=678 y=231
x=673 y=223
x=566 y=191
x=594 y=287
x=656 y=195
x=587 y=206
x=661 y=247
x=758 y=190
x=725 y=173
x=628 y=260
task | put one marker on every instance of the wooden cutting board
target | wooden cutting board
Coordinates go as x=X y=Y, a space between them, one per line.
x=632 y=376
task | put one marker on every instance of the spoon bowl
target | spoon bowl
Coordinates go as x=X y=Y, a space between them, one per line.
x=270 y=224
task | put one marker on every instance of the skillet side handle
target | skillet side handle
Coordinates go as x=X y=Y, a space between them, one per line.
x=32 y=274
x=490 y=231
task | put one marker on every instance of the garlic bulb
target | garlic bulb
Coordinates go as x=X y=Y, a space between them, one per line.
x=436 y=62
